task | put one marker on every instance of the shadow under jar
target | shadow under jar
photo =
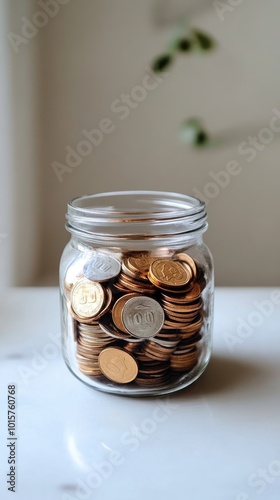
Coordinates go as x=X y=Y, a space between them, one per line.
x=136 y=284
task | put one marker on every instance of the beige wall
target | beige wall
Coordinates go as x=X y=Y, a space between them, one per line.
x=93 y=51
x=20 y=150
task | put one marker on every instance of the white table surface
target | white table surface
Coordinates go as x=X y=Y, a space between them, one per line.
x=218 y=440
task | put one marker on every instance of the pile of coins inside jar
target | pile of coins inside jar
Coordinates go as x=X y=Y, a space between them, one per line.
x=138 y=318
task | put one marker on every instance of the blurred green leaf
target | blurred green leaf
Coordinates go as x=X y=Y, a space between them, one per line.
x=184 y=45
x=201 y=138
x=162 y=62
x=203 y=40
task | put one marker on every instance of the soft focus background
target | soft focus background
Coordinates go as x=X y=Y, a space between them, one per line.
x=66 y=76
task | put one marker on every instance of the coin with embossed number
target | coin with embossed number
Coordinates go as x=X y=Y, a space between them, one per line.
x=166 y=273
x=102 y=267
x=139 y=263
x=87 y=298
x=117 y=365
x=142 y=316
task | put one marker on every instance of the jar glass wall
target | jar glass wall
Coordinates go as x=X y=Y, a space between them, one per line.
x=136 y=284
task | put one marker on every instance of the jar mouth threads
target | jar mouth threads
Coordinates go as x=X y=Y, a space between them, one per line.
x=135 y=215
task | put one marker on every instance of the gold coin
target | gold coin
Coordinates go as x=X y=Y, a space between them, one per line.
x=195 y=325
x=108 y=298
x=188 y=310
x=135 y=285
x=169 y=274
x=185 y=258
x=184 y=362
x=117 y=365
x=139 y=263
x=87 y=298
x=117 y=311
x=184 y=298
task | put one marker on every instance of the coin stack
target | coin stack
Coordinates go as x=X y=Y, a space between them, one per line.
x=139 y=318
x=91 y=342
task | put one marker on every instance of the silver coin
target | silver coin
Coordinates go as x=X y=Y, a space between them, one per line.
x=143 y=317
x=102 y=267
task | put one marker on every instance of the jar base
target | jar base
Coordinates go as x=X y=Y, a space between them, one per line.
x=136 y=391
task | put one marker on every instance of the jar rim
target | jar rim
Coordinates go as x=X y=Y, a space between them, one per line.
x=131 y=214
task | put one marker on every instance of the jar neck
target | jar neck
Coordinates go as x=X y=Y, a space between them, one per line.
x=137 y=219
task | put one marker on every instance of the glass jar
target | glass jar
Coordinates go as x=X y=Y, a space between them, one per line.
x=136 y=284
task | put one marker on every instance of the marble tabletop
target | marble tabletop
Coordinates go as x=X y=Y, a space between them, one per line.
x=217 y=440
